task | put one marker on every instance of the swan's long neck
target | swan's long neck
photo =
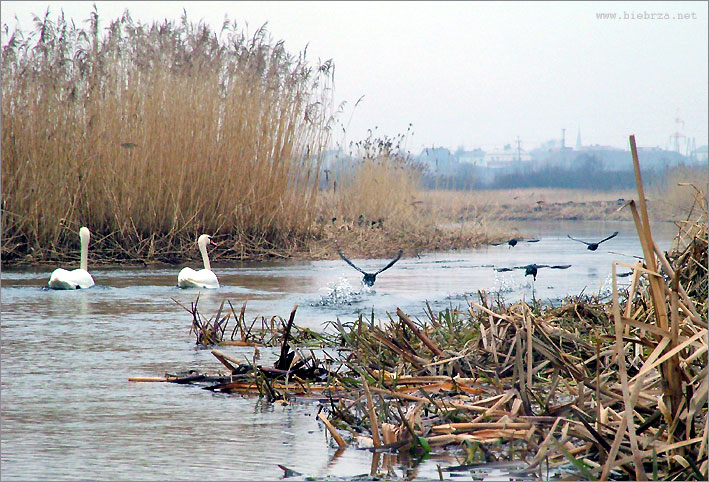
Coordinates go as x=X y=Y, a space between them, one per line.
x=84 y=251
x=205 y=257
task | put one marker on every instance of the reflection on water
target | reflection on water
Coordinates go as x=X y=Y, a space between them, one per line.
x=69 y=412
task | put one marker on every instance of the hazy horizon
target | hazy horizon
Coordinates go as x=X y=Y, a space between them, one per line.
x=478 y=74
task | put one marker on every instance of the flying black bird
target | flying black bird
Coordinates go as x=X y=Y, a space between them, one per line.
x=594 y=246
x=531 y=269
x=513 y=242
x=370 y=278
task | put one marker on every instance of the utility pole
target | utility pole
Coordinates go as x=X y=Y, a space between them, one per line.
x=519 y=150
x=691 y=147
x=563 y=138
x=678 y=134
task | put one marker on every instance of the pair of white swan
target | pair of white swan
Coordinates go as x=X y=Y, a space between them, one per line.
x=62 y=279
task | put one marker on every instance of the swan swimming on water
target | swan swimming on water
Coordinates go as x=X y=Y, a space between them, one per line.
x=204 y=278
x=62 y=279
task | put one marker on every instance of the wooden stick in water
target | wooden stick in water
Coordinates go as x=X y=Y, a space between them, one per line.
x=421 y=335
x=338 y=438
x=452 y=427
x=225 y=358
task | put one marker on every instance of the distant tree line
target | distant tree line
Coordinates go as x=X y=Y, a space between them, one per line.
x=587 y=175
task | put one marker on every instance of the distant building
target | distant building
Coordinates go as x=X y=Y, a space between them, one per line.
x=700 y=154
x=474 y=157
x=597 y=147
x=507 y=155
x=438 y=159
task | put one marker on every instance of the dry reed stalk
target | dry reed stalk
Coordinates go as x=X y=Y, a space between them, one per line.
x=395 y=394
x=630 y=423
x=374 y=466
x=530 y=364
x=453 y=427
x=227 y=360
x=420 y=334
x=671 y=369
x=333 y=431
x=374 y=422
x=544 y=447
x=689 y=304
x=239 y=343
x=656 y=290
x=633 y=289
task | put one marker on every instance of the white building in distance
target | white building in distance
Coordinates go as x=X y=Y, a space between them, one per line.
x=504 y=157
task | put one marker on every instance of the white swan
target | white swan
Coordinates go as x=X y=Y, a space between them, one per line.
x=204 y=278
x=62 y=279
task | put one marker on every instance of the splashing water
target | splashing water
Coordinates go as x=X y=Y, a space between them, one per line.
x=339 y=292
x=606 y=288
x=502 y=285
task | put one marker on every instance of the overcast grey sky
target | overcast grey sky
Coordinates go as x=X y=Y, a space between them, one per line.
x=479 y=74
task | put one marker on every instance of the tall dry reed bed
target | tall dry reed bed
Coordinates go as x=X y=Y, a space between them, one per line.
x=152 y=134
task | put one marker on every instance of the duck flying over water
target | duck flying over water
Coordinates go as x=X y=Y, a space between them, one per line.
x=594 y=246
x=513 y=242
x=531 y=269
x=370 y=278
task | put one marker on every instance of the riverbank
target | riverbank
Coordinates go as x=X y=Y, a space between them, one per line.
x=433 y=221
x=667 y=204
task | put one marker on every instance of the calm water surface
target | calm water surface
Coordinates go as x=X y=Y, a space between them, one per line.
x=69 y=412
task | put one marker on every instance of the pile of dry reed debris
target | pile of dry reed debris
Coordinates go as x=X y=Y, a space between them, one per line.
x=616 y=387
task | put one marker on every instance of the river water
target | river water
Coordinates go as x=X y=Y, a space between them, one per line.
x=69 y=412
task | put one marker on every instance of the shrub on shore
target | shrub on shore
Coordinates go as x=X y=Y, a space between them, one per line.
x=375 y=205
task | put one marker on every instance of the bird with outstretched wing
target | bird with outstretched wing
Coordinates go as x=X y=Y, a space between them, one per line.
x=370 y=278
x=531 y=269
x=513 y=242
x=593 y=246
